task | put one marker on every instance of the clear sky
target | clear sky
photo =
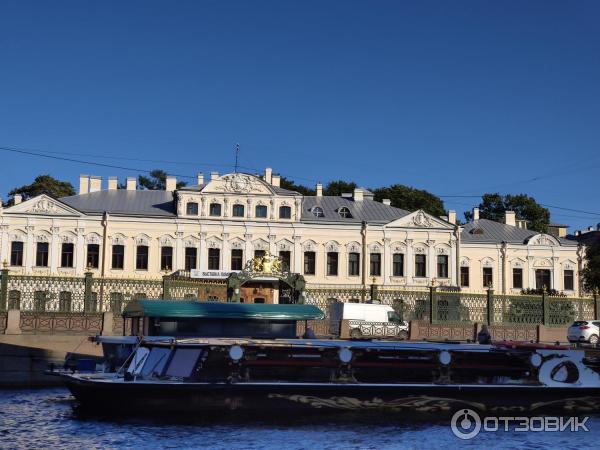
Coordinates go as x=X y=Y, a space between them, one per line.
x=456 y=97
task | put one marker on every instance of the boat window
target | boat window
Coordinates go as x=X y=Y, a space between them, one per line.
x=183 y=362
x=135 y=367
x=156 y=361
x=393 y=317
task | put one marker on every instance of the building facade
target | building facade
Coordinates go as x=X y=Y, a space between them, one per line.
x=215 y=227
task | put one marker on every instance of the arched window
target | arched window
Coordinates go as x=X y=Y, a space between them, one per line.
x=345 y=213
x=285 y=212
x=215 y=209
x=238 y=210
x=317 y=211
x=192 y=209
x=261 y=211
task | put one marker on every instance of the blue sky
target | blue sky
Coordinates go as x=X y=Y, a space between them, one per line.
x=461 y=97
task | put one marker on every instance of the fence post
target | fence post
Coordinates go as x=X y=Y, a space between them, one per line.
x=87 y=293
x=4 y=286
x=432 y=305
x=546 y=308
x=374 y=293
x=490 y=306
x=166 y=290
x=596 y=306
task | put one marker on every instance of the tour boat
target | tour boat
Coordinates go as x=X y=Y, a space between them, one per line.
x=276 y=376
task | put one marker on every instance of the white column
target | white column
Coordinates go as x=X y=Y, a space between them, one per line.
x=409 y=263
x=4 y=244
x=297 y=256
x=179 y=252
x=79 y=262
x=432 y=260
x=531 y=273
x=248 y=250
x=272 y=244
x=387 y=261
x=54 y=249
x=29 y=255
x=225 y=252
x=452 y=263
x=557 y=282
x=203 y=263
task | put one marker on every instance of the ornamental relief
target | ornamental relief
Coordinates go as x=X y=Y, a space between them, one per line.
x=118 y=239
x=420 y=250
x=332 y=247
x=213 y=243
x=285 y=245
x=44 y=206
x=17 y=236
x=142 y=240
x=442 y=251
x=67 y=239
x=487 y=262
x=42 y=238
x=260 y=244
x=542 y=263
x=543 y=239
x=464 y=262
x=309 y=246
x=237 y=244
x=517 y=264
x=166 y=241
x=353 y=247
x=92 y=238
x=421 y=220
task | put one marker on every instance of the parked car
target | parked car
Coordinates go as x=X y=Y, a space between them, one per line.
x=369 y=320
x=584 y=331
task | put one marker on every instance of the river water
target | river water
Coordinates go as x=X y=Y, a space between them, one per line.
x=50 y=419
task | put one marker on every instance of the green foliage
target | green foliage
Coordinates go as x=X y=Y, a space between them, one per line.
x=339 y=187
x=157 y=181
x=290 y=185
x=44 y=184
x=493 y=207
x=411 y=199
x=591 y=272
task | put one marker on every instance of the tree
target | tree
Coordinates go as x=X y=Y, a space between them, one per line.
x=157 y=181
x=339 y=187
x=290 y=185
x=411 y=199
x=494 y=206
x=591 y=272
x=45 y=184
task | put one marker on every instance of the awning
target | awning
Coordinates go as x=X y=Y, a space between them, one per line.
x=215 y=310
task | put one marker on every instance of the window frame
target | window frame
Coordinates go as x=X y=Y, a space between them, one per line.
x=420 y=260
x=42 y=258
x=333 y=262
x=115 y=257
x=17 y=255
x=187 y=258
x=216 y=206
x=288 y=215
x=309 y=263
x=261 y=208
x=485 y=275
x=67 y=259
x=141 y=258
x=237 y=206
x=465 y=270
x=164 y=256
x=443 y=266
x=317 y=211
x=353 y=264
x=571 y=278
x=97 y=256
x=517 y=274
x=375 y=264
x=398 y=266
x=214 y=255
x=194 y=207
x=237 y=255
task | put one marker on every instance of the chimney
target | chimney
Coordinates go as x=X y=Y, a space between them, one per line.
x=131 y=184
x=200 y=177
x=276 y=181
x=112 y=183
x=475 y=214
x=387 y=202
x=170 y=184
x=319 y=190
x=452 y=217
x=358 y=195
x=510 y=218
x=18 y=198
x=577 y=233
x=95 y=183
x=268 y=175
x=84 y=184
x=214 y=176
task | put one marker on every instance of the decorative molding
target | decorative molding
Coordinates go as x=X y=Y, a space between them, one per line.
x=420 y=219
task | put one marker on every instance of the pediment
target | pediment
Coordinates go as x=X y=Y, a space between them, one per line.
x=543 y=240
x=420 y=219
x=43 y=205
x=238 y=183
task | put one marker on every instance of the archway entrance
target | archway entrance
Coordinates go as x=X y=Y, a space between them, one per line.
x=264 y=280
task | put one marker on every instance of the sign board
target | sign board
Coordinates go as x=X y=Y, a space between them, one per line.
x=211 y=274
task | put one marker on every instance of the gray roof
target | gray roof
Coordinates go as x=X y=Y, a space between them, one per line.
x=488 y=231
x=122 y=201
x=366 y=210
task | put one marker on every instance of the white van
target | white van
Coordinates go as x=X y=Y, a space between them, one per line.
x=370 y=320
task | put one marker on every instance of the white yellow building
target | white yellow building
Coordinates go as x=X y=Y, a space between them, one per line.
x=219 y=224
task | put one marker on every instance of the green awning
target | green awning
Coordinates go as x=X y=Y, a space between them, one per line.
x=214 y=310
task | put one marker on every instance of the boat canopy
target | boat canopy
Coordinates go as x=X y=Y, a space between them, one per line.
x=215 y=310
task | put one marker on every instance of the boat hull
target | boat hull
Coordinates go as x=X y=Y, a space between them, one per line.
x=268 y=398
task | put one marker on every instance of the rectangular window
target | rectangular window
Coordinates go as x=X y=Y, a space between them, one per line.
x=286 y=258
x=214 y=259
x=261 y=211
x=66 y=255
x=375 y=264
x=93 y=256
x=215 y=209
x=166 y=258
x=517 y=278
x=192 y=209
x=238 y=210
x=237 y=259
x=442 y=266
x=353 y=264
x=332 y=263
x=398 y=265
x=543 y=279
x=141 y=257
x=309 y=263
x=569 y=280
x=191 y=257
x=118 y=256
x=259 y=253
x=464 y=277
x=420 y=266
x=41 y=254
x=16 y=253
x=488 y=277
